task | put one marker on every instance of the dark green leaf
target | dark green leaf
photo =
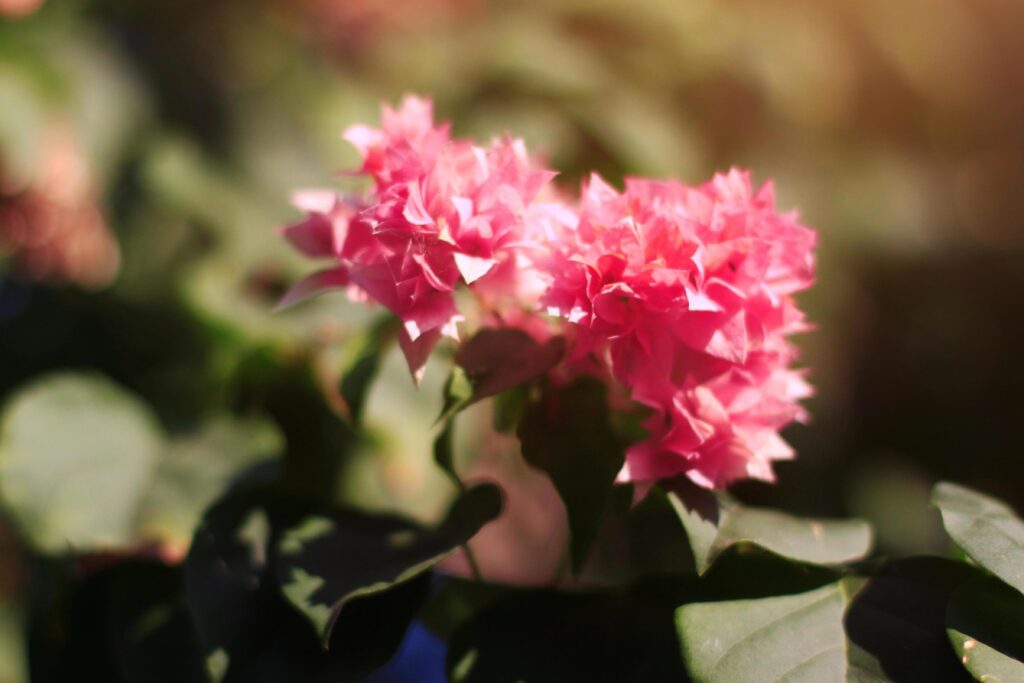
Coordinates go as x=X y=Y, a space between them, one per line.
x=985 y=624
x=362 y=361
x=455 y=601
x=896 y=621
x=714 y=524
x=458 y=393
x=786 y=638
x=567 y=434
x=985 y=528
x=444 y=454
x=318 y=441
x=126 y=622
x=151 y=630
x=638 y=541
x=326 y=562
x=546 y=636
x=76 y=456
x=729 y=578
x=248 y=629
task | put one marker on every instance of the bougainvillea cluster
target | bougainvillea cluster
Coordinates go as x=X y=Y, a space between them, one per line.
x=680 y=295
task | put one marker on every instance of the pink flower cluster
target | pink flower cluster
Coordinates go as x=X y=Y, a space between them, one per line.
x=683 y=295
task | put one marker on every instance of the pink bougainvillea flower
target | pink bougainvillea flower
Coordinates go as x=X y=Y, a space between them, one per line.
x=684 y=295
x=442 y=213
x=681 y=295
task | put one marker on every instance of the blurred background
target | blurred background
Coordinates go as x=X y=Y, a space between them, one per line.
x=148 y=150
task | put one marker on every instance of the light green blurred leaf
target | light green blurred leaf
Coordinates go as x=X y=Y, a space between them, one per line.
x=987 y=529
x=76 y=456
x=195 y=470
x=84 y=466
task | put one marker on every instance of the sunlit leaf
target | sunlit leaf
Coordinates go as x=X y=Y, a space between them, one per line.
x=787 y=638
x=716 y=523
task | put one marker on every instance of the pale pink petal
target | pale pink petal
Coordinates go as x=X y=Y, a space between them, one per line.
x=473 y=268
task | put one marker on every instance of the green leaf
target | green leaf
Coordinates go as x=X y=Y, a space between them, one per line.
x=444 y=454
x=363 y=359
x=496 y=360
x=327 y=562
x=458 y=393
x=508 y=409
x=196 y=469
x=714 y=524
x=568 y=435
x=985 y=620
x=985 y=528
x=787 y=638
x=76 y=456
x=894 y=621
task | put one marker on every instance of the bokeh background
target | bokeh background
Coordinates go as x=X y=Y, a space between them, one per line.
x=148 y=150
